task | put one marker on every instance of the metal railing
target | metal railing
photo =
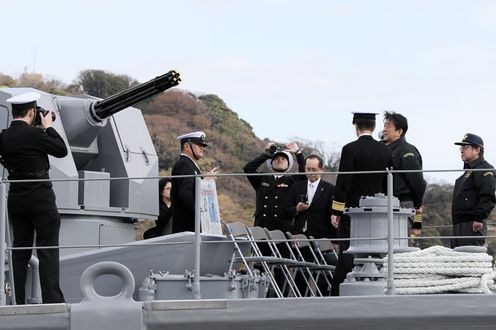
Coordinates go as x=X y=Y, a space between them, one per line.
x=197 y=242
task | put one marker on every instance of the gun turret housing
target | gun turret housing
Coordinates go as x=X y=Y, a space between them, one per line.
x=107 y=139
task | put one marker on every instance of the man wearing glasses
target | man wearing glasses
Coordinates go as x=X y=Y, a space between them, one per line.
x=473 y=194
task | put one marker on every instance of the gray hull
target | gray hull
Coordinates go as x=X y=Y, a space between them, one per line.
x=386 y=312
x=172 y=253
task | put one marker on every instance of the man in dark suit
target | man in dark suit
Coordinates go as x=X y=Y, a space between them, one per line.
x=364 y=154
x=309 y=202
x=273 y=190
x=183 y=189
x=24 y=149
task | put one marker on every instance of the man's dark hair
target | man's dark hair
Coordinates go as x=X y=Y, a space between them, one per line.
x=20 y=113
x=365 y=123
x=314 y=156
x=399 y=121
x=481 y=150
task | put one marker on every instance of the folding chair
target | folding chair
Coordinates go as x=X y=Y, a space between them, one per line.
x=260 y=236
x=299 y=265
x=305 y=246
x=325 y=251
x=239 y=231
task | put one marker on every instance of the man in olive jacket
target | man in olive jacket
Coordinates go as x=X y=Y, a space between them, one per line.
x=473 y=194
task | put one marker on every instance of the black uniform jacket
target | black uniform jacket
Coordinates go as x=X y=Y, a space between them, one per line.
x=183 y=195
x=473 y=194
x=318 y=214
x=25 y=151
x=407 y=186
x=272 y=194
x=364 y=154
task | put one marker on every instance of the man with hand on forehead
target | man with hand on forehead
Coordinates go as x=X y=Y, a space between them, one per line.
x=183 y=189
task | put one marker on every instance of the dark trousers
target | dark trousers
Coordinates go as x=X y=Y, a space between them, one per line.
x=465 y=229
x=47 y=225
x=345 y=261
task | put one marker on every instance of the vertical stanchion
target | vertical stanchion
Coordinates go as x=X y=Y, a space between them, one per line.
x=196 y=281
x=390 y=236
x=3 y=245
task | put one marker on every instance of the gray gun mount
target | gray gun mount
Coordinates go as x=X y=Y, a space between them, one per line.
x=107 y=139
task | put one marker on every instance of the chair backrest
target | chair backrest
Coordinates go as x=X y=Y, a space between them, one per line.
x=276 y=235
x=325 y=246
x=301 y=240
x=258 y=233
x=238 y=229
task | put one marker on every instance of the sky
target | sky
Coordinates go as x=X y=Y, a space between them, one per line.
x=289 y=68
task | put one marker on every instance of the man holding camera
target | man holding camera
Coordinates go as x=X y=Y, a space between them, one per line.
x=309 y=202
x=272 y=190
x=24 y=148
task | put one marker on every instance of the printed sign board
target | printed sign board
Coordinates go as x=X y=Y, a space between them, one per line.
x=209 y=208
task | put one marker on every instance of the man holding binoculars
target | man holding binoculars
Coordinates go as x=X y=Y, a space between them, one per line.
x=273 y=189
x=24 y=150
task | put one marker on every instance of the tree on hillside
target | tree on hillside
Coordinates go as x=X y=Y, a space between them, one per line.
x=34 y=80
x=104 y=84
x=329 y=153
x=7 y=81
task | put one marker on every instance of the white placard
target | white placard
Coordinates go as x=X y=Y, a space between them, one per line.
x=209 y=208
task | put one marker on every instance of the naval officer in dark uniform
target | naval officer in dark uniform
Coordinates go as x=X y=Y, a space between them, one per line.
x=183 y=189
x=272 y=190
x=24 y=149
x=473 y=195
x=363 y=154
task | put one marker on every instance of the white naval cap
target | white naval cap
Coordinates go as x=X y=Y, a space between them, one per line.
x=197 y=137
x=24 y=100
x=285 y=154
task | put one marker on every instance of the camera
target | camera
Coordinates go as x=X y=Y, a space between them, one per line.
x=41 y=111
x=304 y=199
x=275 y=148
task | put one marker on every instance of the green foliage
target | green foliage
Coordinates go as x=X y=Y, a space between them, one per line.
x=7 y=81
x=103 y=84
x=232 y=143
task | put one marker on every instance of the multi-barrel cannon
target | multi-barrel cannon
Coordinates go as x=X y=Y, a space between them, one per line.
x=102 y=185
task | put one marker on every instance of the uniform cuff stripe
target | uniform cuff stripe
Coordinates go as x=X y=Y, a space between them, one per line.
x=338 y=206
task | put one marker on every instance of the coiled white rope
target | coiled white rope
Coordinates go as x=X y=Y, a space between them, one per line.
x=438 y=269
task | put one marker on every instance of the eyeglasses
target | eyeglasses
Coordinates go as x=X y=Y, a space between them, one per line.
x=465 y=147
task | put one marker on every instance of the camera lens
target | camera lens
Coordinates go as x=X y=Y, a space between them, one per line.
x=39 y=111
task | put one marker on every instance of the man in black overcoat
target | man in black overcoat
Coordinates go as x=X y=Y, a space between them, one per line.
x=183 y=189
x=309 y=202
x=24 y=148
x=363 y=154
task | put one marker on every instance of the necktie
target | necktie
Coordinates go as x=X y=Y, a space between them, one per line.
x=311 y=192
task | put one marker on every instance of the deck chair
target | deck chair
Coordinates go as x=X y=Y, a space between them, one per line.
x=239 y=231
